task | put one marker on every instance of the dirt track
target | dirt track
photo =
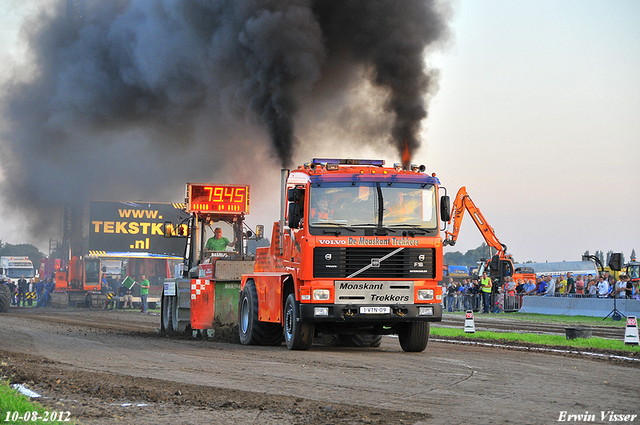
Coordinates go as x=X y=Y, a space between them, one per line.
x=94 y=363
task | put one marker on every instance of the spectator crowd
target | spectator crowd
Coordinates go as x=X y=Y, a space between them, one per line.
x=29 y=291
x=482 y=294
x=35 y=292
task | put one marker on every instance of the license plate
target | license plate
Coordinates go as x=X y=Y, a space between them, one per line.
x=375 y=310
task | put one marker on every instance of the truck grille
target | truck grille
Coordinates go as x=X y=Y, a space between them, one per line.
x=408 y=263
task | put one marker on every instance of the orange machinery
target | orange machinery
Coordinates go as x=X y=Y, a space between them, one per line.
x=81 y=277
x=369 y=265
x=75 y=275
x=205 y=290
x=501 y=264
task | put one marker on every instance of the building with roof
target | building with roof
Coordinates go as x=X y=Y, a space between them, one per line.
x=562 y=267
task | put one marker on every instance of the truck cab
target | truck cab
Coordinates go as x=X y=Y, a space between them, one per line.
x=12 y=267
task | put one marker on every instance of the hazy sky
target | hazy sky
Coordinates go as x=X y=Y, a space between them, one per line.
x=537 y=114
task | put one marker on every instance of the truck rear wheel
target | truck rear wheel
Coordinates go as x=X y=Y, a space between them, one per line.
x=5 y=298
x=166 y=311
x=298 y=334
x=252 y=331
x=414 y=336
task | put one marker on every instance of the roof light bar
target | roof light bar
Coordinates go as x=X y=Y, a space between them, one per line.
x=348 y=161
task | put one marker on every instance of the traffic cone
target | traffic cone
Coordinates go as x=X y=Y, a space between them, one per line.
x=631 y=331
x=469 y=326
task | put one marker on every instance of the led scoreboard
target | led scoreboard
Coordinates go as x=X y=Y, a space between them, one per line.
x=217 y=198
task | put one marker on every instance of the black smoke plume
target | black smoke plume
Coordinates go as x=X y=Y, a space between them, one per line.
x=389 y=38
x=119 y=98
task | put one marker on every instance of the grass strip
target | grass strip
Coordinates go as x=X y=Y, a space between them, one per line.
x=551 y=340
x=15 y=405
x=552 y=318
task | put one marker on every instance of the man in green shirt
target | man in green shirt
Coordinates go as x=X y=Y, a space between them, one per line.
x=218 y=242
x=144 y=293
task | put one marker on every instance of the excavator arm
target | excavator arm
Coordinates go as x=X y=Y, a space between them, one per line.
x=461 y=203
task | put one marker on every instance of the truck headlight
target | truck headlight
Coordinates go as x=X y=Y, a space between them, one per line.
x=425 y=311
x=425 y=294
x=321 y=311
x=320 y=294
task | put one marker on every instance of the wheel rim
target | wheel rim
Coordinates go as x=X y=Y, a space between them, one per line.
x=288 y=322
x=244 y=316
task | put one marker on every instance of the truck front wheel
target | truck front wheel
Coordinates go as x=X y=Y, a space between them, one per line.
x=414 y=336
x=298 y=334
x=252 y=331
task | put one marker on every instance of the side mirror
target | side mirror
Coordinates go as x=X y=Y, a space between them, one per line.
x=295 y=195
x=445 y=208
x=171 y=231
x=615 y=263
x=294 y=215
x=259 y=231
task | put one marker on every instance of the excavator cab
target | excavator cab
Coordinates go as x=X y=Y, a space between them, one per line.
x=633 y=270
x=83 y=274
x=91 y=274
x=499 y=268
x=506 y=267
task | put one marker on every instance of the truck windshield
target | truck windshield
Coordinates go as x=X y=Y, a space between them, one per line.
x=402 y=205
x=15 y=273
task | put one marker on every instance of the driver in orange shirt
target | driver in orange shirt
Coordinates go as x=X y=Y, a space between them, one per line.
x=322 y=210
x=398 y=206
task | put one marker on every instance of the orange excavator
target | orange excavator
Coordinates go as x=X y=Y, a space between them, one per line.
x=78 y=276
x=501 y=264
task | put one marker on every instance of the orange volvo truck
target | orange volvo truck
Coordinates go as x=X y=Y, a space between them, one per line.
x=357 y=253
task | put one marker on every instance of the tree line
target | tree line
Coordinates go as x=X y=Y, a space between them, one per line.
x=22 y=250
x=601 y=256
x=472 y=257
